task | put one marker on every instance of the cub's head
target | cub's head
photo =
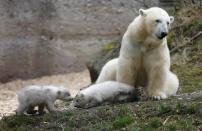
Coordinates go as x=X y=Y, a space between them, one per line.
x=80 y=100
x=63 y=94
x=157 y=21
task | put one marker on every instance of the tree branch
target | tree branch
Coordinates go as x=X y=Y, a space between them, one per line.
x=187 y=42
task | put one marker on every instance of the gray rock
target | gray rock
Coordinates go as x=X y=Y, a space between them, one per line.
x=44 y=37
x=109 y=52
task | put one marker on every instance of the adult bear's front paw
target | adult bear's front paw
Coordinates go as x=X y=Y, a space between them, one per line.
x=158 y=96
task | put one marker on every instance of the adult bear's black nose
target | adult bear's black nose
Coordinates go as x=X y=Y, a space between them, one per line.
x=163 y=34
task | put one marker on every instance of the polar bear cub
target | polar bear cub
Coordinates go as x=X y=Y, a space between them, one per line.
x=104 y=93
x=41 y=96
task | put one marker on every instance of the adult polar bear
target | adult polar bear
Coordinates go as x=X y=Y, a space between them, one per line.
x=144 y=58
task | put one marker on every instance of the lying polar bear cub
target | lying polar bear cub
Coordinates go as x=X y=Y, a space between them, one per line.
x=104 y=93
x=41 y=96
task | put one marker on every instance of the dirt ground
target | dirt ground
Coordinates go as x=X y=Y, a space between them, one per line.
x=8 y=97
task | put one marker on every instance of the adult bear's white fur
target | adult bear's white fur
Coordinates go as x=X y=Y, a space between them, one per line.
x=104 y=93
x=144 y=58
x=41 y=96
x=108 y=72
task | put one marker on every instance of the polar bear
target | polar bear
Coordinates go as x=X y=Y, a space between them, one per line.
x=108 y=71
x=41 y=96
x=104 y=93
x=144 y=58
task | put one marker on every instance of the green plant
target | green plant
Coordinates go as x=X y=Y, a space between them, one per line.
x=155 y=122
x=122 y=121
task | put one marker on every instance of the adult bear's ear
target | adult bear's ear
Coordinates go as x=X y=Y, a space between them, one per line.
x=142 y=12
x=171 y=19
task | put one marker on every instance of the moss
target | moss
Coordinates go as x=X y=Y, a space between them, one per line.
x=110 y=46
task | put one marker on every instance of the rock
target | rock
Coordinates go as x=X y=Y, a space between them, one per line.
x=46 y=37
x=108 y=52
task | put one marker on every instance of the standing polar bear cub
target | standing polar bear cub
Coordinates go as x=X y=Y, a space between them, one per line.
x=144 y=58
x=41 y=96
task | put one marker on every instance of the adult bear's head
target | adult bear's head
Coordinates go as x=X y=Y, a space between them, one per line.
x=157 y=21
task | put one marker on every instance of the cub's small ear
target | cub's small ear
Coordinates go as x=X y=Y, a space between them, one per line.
x=67 y=94
x=82 y=95
x=171 y=19
x=142 y=12
x=58 y=92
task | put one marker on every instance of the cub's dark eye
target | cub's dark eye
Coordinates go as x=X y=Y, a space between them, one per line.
x=167 y=23
x=157 y=21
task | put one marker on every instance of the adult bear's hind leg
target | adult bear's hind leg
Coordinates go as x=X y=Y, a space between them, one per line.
x=172 y=84
x=108 y=71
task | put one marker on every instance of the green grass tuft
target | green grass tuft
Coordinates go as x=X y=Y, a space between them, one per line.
x=199 y=98
x=122 y=121
x=190 y=78
x=193 y=109
x=68 y=129
x=163 y=109
x=155 y=122
x=172 y=127
x=17 y=121
x=144 y=127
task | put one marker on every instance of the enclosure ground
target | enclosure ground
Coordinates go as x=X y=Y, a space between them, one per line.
x=8 y=97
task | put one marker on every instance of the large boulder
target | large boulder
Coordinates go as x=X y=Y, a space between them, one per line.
x=45 y=37
x=109 y=51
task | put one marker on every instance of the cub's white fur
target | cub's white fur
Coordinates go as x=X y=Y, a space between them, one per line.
x=104 y=93
x=41 y=96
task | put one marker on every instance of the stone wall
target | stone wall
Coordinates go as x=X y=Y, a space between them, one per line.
x=44 y=37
